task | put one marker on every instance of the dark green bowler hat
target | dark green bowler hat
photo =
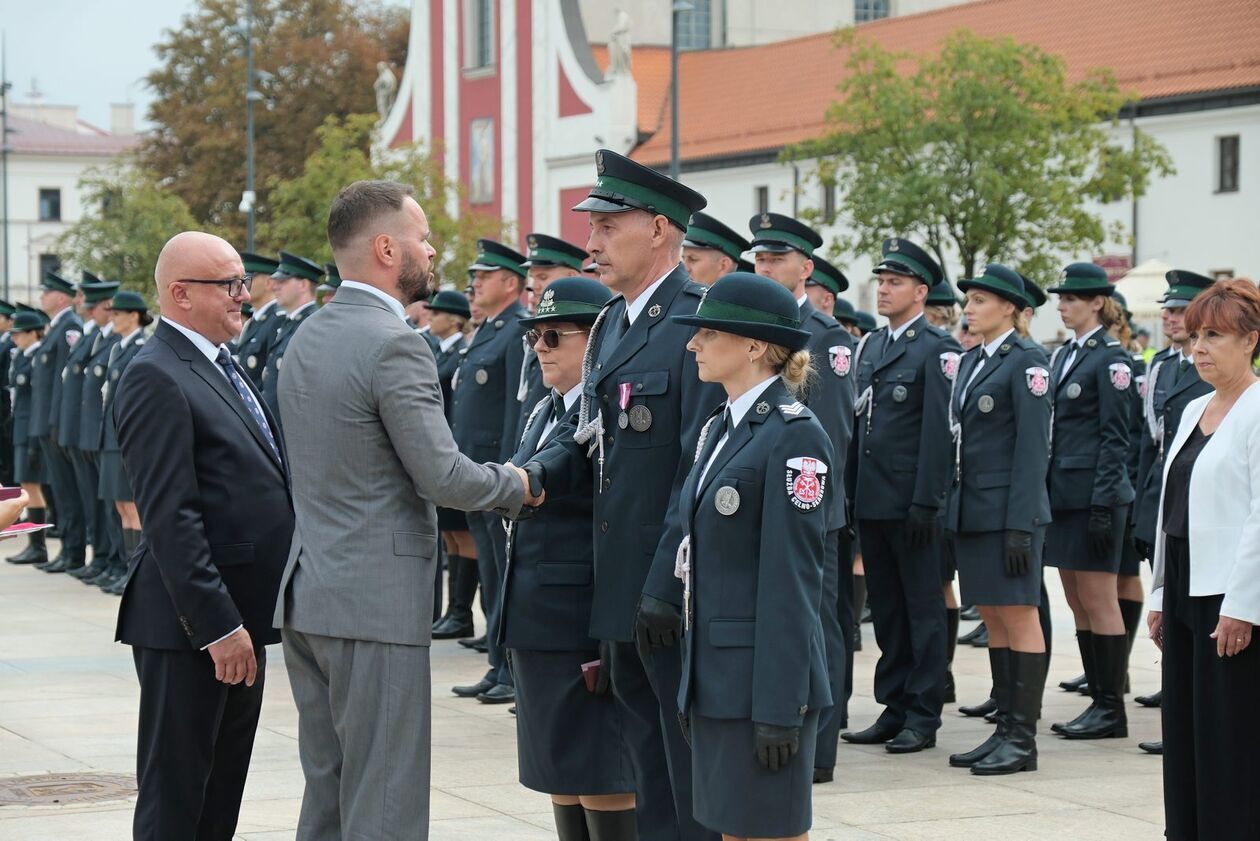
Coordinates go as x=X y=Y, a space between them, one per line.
x=707 y=232
x=828 y=277
x=1183 y=286
x=547 y=250
x=54 y=282
x=1083 y=279
x=1034 y=295
x=753 y=306
x=575 y=299
x=291 y=265
x=1001 y=281
x=128 y=301
x=1124 y=304
x=333 y=281
x=25 y=320
x=98 y=291
x=942 y=295
x=865 y=321
x=493 y=255
x=621 y=185
x=780 y=234
x=6 y=308
x=448 y=300
x=21 y=308
x=257 y=264
x=909 y=260
x=844 y=312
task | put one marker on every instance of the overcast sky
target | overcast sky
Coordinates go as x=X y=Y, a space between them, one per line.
x=88 y=53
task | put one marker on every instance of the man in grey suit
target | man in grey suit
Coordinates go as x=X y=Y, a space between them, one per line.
x=371 y=456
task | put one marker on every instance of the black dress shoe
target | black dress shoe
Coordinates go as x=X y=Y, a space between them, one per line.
x=1074 y=684
x=51 y=562
x=987 y=708
x=981 y=640
x=866 y=615
x=474 y=642
x=876 y=734
x=910 y=741
x=483 y=685
x=449 y=629
x=1154 y=700
x=966 y=638
x=512 y=709
x=116 y=587
x=30 y=555
x=970 y=613
x=1156 y=748
x=824 y=775
x=857 y=637
x=481 y=647
x=500 y=693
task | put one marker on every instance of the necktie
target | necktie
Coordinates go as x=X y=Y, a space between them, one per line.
x=1182 y=367
x=889 y=341
x=557 y=405
x=984 y=357
x=1067 y=366
x=242 y=391
x=712 y=443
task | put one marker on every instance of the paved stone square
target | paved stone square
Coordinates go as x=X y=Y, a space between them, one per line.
x=68 y=698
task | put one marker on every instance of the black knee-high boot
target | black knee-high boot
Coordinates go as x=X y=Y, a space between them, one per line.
x=36 y=552
x=1018 y=751
x=1131 y=613
x=612 y=826
x=1084 y=642
x=951 y=645
x=859 y=603
x=1000 y=666
x=570 y=822
x=1109 y=720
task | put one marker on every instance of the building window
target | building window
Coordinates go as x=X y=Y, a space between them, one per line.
x=1221 y=274
x=763 y=199
x=49 y=205
x=481 y=161
x=478 y=34
x=1227 y=164
x=695 y=31
x=49 y=263
x=865 y=11
x=829 y=202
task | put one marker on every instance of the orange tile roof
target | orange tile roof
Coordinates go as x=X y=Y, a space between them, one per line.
x=756 y=99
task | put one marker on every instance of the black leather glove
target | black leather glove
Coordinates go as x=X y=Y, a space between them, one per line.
x=920 y=526
x=1145 y=549
x=1100 y=531
x=1017 y=551
x=537 y=477
x=657 y=624
x=602 y=682
x=775 y=745
x=685 y=725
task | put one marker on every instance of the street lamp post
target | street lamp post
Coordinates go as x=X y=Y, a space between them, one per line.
x=679 y=6
x=251 y=96
x=4 y=156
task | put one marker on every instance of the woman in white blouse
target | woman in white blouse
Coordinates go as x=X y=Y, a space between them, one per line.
x=1206 y=598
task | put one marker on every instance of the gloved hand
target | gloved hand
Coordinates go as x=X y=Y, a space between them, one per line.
x=1017 y=551
x=775 y=745
x=657 y=624
x=686 y=728
x=1145 y=549
x=1100 y=531
x=537 y=477
x=605 y=667
x=920 y=526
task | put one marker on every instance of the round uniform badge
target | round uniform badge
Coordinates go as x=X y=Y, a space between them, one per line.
x=1074 y=390
x=900 y=393
x=482 y=376
x=640 y=418
x=763 y=408
x=726 y=500
x=21 y=380
x=654 y=310
x=279 y=362
x=98 y=371
x=43 y=359
x=251 y=362
x=623 y=420
x=986 y=403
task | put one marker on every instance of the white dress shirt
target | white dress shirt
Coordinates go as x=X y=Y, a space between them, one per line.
x=449 y=342
x=389 y=300
x=989 y=349
x=570 y=397
x=641 y=302
x=738 y=408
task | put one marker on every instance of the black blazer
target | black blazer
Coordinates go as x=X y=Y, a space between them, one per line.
x=447 y=364
x=46 y=369
x=485 y=413
x=213 y=497
x=830 y=396
x=119 y=358
x=92 y=402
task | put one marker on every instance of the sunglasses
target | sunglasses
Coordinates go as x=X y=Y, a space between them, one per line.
x=550 y=338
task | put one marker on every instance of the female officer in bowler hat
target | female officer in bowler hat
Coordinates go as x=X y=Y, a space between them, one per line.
x=28 y=467
x=569 y=726
x=999 y=507
x=754 y=675
x=1090 y=490
x=131 y=314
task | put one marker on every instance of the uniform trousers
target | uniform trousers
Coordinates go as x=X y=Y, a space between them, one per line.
x=1211 y=730
x=87 y=477
x=836 y=643
x=196 y=736
x=491 y=542
x=903 y=586
x=364 y=737
x=70 y=514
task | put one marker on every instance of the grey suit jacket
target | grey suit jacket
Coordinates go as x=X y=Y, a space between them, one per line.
x=371 y=455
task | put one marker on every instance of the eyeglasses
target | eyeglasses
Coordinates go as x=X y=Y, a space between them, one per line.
x=550 y=338
x=233 y=285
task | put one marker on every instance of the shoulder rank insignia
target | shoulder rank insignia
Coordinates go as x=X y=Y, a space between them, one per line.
x=792 y=409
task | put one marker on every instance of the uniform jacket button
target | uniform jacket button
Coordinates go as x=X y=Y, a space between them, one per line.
x=804 y=709
x=603 y=526
x=607 y=483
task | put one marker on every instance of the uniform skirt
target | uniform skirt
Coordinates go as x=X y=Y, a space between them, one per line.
x=1130 y=560
x=114 y=486
x=735 y=795
x=982 y=571
x=1067 y=541
x=451 y=519
x=568 y=741
x=28 y=465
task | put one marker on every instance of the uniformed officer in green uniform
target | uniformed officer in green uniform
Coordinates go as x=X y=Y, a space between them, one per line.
x=27 y=333
x=824 y=287
x=251 y=345
x=865 y=323
x=845 y=313
x=942 y=309
x=332 y=282
x=7 y=349
x=550 y=258
x=296 y=279
x=711 y=250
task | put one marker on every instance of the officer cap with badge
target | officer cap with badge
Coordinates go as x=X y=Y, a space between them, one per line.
x=257 y=264
x=291 y=265
x=492 y=256
x=1001 y=281
x=127 y=301
x=332 y=281
x=449 y=301
x=621 y=185
x=98 y=291
x=941 y=294
x=38 y=313
x=707 y=232
x=1034 y=295
x=902 y=257
x=545 y=250
x=752 y=306
x=1183 y=286
x=576 y=300
x=53 y=282
x=27 y=319
x=1083 y=279
x=779 y=234
x=830 y=278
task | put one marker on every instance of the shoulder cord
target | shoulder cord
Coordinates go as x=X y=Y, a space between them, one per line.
x=522 y=389
x=863 y=404
x=1054 y=384
x=589 y=427
x=682 y=558
x=1154 y=423
x=955 y=427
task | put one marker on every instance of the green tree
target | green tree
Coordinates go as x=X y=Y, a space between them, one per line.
x=134 y=216
x=299 y=206
x=986 y=150
x=315 y=57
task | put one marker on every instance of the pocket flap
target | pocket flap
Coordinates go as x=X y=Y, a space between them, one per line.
x=1075 y=462
x=903 y=375
x=993 y=479
x=414 y=544
x=564 y=575
x=232 y=554
x=733 y=474
x=732 y=633
x=646 y=382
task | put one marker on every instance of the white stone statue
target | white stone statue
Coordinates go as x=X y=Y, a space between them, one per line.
x=386 y=85
x=619 y=46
